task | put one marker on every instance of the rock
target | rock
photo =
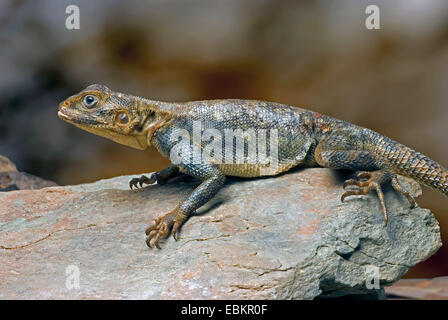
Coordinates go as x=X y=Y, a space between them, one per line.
x=14 y=180
x=11 y=179
x=423 y=289
x=6 y=164
x=284 y=237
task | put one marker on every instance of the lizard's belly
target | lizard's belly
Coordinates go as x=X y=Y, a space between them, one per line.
x=247 y=170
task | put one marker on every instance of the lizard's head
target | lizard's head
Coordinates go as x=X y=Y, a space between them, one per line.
x=112 y=115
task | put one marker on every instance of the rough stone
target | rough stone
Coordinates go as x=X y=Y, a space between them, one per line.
x=15 y=180
x=11 y=179
x=285 y=237
x=422 y=289
x=6 y=164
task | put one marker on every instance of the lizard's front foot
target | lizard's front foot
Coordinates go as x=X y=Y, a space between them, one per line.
x=367 y=181
x=155 y=177
x=162 y=226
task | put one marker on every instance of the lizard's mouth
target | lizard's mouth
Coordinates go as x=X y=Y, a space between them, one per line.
x=78 y=118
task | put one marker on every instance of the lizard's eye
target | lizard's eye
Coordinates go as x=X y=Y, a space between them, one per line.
x=90 y=101
x=122 y=117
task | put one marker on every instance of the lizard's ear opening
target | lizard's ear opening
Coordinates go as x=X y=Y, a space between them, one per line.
x=122 y=117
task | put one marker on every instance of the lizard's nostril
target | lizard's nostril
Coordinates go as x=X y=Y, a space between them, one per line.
x=64 y=104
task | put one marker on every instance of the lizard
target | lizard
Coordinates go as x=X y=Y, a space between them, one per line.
x=303 y=139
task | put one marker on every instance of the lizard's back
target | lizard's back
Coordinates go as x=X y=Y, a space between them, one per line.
x=278 y=131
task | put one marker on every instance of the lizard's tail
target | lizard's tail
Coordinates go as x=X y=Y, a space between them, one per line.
x=410 y=163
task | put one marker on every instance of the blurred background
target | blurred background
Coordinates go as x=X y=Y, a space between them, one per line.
x=315 y=54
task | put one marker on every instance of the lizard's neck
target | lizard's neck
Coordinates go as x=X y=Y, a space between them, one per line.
x=147 y=106
x=155 y=115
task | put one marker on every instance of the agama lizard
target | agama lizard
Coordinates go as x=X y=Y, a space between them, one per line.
x=303 y=138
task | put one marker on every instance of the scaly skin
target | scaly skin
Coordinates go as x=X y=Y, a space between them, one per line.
x=304 y=138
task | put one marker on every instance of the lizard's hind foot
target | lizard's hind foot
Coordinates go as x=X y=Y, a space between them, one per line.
x=368 y=181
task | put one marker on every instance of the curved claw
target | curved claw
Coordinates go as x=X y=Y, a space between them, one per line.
x=136 y=182
x=372 y=181
x=175 y=230
x=156 y=235
x=356 y=192
x=133 y=183
x=353 y=182
x=364 y=175
x=161 y=227
x=153 y=226
x=398 y=187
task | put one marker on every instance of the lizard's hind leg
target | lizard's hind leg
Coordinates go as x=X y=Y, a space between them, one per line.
x=338 y=153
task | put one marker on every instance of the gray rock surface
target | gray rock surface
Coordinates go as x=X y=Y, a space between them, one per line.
x=285 y=237
x=6 y=164
x=11 y=179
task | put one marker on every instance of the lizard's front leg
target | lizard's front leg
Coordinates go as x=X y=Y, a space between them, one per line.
x=212 y=181
x=160 y=177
